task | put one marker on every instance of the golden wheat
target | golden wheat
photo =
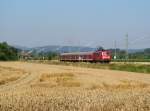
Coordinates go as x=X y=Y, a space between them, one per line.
x=8 y=74
x=53 y=88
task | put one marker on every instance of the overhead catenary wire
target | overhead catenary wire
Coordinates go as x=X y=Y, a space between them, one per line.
x=138 y=39
x=132 y=42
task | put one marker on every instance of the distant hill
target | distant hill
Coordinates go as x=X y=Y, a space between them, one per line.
x=21 y=47
x=135 y=50
x=63 y=49
x=56 y=48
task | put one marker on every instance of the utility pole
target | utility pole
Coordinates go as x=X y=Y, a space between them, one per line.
x=127 y=44
x=115 y=57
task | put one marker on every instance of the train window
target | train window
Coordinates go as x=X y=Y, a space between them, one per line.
x=104 y=53
x=75 y=57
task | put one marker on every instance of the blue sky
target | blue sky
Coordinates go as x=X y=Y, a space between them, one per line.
x=75 y=22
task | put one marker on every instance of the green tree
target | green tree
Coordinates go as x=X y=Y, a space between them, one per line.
x=51 y=55
x=7 y=52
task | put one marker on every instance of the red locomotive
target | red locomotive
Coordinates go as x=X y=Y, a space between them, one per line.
x=95 y=56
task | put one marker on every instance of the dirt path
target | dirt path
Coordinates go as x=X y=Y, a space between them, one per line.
x=33 y=72
x=85 y=75
x=25 y=79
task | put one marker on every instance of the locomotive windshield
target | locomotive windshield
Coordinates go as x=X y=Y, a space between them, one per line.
x=100 y=49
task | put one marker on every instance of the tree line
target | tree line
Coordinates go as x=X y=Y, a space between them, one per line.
x=8 y=52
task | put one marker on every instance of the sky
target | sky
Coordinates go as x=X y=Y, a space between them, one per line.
x=92 y=23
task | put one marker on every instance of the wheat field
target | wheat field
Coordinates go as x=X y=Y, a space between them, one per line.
x=40 y=87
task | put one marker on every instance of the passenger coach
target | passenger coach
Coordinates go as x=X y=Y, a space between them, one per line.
x=95 y=56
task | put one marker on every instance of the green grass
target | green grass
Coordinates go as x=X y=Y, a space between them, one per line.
x=131 y=67
x=141 y=68
x=131 y=60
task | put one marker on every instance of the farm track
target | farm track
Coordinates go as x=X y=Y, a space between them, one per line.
x=23 y=82
x=20 y=83
x=32 y=75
